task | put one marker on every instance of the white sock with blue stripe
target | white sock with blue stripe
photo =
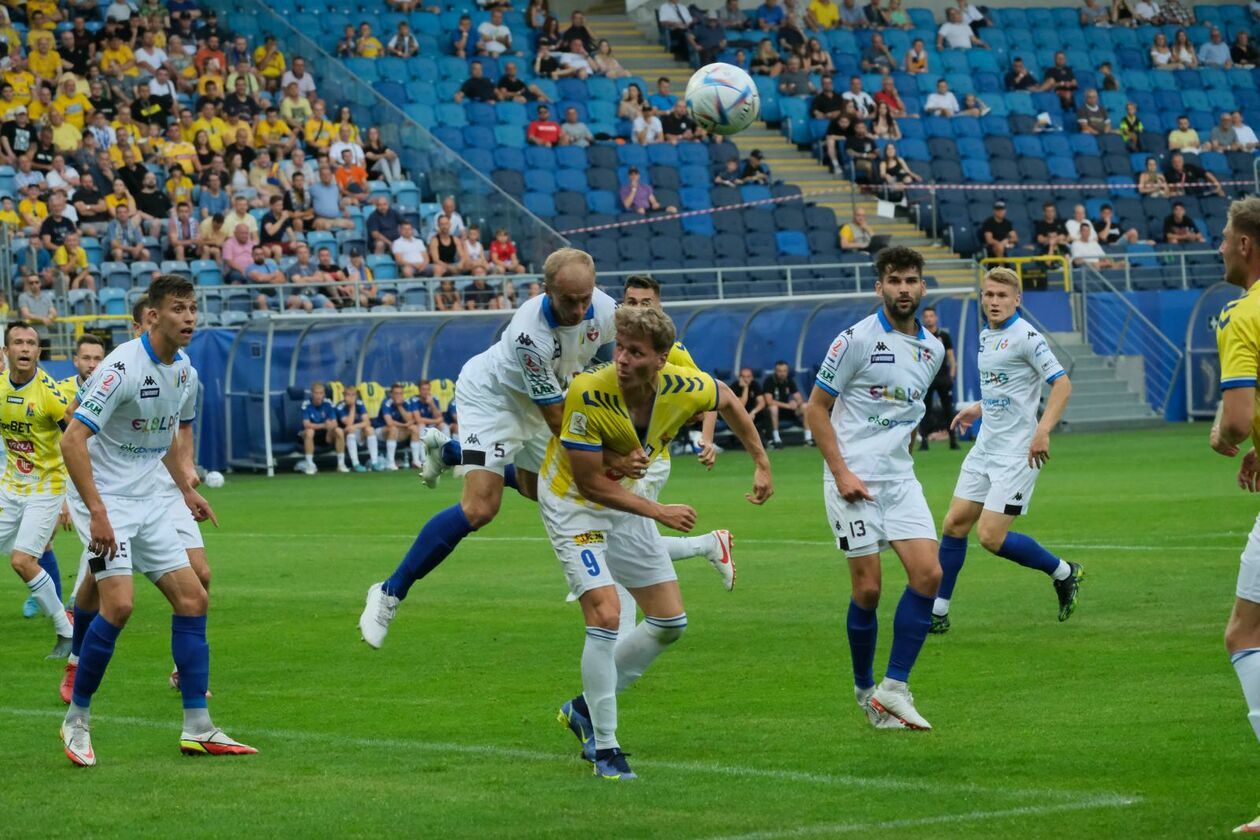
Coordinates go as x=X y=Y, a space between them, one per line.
x=45 y=594
x=638 y=650
x=1246 y=664
x=599 y=684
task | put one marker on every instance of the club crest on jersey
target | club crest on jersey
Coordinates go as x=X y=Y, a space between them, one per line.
x=577 y=423
x=30 y=409
x=1002 y=345
x=923 y=354
x=592 y=334
x=183 y=376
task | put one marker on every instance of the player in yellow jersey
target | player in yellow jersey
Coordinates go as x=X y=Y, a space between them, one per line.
x=1237 y=419
x=603 y=533
x=32 y=417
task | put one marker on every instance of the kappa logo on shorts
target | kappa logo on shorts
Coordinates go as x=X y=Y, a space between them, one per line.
x=472 y=440
x=1019 y=497
x=589 y=538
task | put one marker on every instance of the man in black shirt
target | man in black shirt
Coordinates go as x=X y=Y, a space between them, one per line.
x=512 y=89
x=782 y=397
x=17 y=137
x=90 y=205
x=153 y=206
x=240 y=102
x=942 y=386
x=56 y=225
x=44 y=153
x=74 y=51
x=1111 y=230
x=476 y=88
x=578 y=30
x=1180 y=229
x=1062 y=81
x=997 y=232
x=677 y=125
x=862 y=152
x=1185 y=178
x=274 y=228
x=828 y=104
x=1018 y=77
x=1050 y=232
x=146 y=110
x=478 y=295
x=383 y=226
x=749 y=393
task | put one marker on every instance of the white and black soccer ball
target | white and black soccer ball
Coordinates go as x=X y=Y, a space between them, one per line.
x=722 y=99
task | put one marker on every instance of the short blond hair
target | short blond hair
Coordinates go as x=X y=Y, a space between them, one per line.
x=647 y=322
x=562 y=259
x=1244 y=216
x=1005 y=276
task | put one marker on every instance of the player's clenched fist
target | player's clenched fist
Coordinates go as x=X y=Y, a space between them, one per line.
x=679 y=517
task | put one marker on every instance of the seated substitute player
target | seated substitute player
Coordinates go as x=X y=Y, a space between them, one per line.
x=425 y=409
x=866 y=404
x=782 y=395
x=320 y=416
x=33 y=485
x=394 y=422
x=1000 y=472
x=356 y=425
x=131 y=407
x=511 y=402
x=1238 y=342
x=605 y=534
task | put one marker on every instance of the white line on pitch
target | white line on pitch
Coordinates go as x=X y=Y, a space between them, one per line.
x=944 y=819
x=569 y=757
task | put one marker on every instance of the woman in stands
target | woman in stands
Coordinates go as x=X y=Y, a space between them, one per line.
x=766 y=62
x=536 y=14
x=894 y=171
x=632 y=105
x=344 y=118
x=1183 y=55
x=201 y=144
x=1161 y=54
x=606 y=64
x=1131 y=127
x=507 y=296
x=916 y=58
x=1151 y=181
x=550 y=34
x=818 y=59
x=380 y=158
x=238 y=175
x=447 y=298
x=884 y=126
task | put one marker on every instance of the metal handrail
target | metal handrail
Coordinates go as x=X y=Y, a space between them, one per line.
x=1019 y=262
x=1060 y=352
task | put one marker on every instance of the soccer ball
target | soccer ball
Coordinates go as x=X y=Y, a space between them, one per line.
x=722 y=98
x=214 y=479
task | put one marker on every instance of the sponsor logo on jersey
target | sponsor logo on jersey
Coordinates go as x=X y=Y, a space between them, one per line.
x=834 y=352
x=536 y=378
x=148 y=393
x=996 y=403
x=589 y=538
x=472 y=440
x=132 y=449
x=119 y=366
x=883 y=358
x=1041 y=348
x=827 y=375
x=30 y=409
x=92 y=405
x=895 y=393
x=993 y=377
x=1033 y=334
x=19 y=445
x=154 y=424
x=577 y=423
x=16 y=400
x=17 y=427
x=889 y=423
x=1019 y=497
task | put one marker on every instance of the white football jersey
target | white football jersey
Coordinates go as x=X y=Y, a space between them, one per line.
x=187 y=413
x=1014 y=360
x=537 y=357
x=879 y=377
x=134 y=404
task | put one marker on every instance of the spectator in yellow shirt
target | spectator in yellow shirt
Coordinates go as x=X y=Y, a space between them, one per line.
x=8 y=34
x=44 y=61
x=8 y=216
x=822 y=14
x=211 y=125
x=119 y=196
x=210 y=83
x=274 y=131
x=368 y=45
x=71 y=260
x=119 y=56
x=270 y=62
x=74 y=105
x=186 y=131
x=32 y=211
x=47 y=8
x=66 y=138
x=179 y=187
x=40 y=30
x=40 y=105
x=178 y=152
x=23 y=80
x=318 y=132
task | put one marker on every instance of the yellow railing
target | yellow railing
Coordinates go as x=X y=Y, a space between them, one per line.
x=79 y=322
x=1052 y=264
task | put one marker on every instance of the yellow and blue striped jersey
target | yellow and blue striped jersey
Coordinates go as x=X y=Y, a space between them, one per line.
x=31 y=418
x=1238 y=342
x=596 y=417
x=680 y=356
x=69 y=387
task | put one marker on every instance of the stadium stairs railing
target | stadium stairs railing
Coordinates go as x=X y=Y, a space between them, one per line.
x=1115 y=328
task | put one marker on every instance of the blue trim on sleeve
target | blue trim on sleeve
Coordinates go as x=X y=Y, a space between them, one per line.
x=1227 y=384
x=549 y=401
x=187 y=422
x=1056 y=376
x=826 y=387
x=585 y=447
x=87 y=422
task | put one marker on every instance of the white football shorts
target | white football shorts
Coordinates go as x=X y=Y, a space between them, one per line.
x=653 y=481
x=862 y=528
x=1003 y=483
x=598 y=548
x=187 y=528
x=27 y=523
x=498 y=426
x=148 y=541
x=1249 y=568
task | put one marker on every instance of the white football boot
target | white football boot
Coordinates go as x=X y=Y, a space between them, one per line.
x=377 y=614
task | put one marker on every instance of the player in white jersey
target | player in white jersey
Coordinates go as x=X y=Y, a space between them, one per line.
x=1000 y=472
x=122 y=435
x=511 y=402
x=866 y=404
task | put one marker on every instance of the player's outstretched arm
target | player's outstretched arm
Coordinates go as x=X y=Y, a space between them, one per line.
x=595 y=486
x=1234 y=416
x=963 y=419
x=818 y=417
x=732 y=410
x=74 y=451
x=708 y=452
x=1039 y=450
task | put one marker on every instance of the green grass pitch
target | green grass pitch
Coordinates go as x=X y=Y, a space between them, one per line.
x=1125 y=721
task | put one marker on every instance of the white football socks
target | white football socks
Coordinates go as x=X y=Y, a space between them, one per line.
x=197 y=721
x=680 y=548
x=341 y=458
x=1063 y=572
x=78 y=581
x=310 y=460
x=352 y=444
x=415 y=454
x=1247 y=665
x=940 y=606
x=629 y=612
x=44 y=591
x=373 y=447
x=599 y=684
x=391 y=448
x=648 y=641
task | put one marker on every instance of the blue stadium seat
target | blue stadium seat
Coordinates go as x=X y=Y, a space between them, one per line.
x=1062 y=167
x=510 y=135
x=206 y=272
x=506 y=158
x=664 y=177
x=938 y=127
x=977 y=170
x=570 y=179
x=695 y=198
x=1029 y=145
x=693 y=154
x=995 y=126
x=914 y=150
x=756 y=192
x=570 y=157
x=510 y=181
x=451 y=115
x=1056 y=144
x=602 y=201
x=540 y=204
x=699 y=225
x=1084 y=144
x=791 y=243
x=632 y=154
x=542 y=180
x=599 y=178
x=1005 y=171
x=663 y=154
x=1020 y=102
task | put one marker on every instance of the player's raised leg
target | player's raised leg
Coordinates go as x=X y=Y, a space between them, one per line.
x=440 y=454
x=961 y=518
x=47 y=562
x=718 y=547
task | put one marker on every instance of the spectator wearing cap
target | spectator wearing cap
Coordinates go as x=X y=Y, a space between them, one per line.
x=999 y=235
x=637 y=197
x=17 y=137
x=755 y=170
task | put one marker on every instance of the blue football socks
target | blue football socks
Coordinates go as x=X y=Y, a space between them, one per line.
x=1027 y=552
x=98 y=648
x=953 y=553
x=911 y=623
x=509 y=477
x=82 y=620
x=48 y=562
x=191 y=653
x=863 y=629
x=452 y=453
x=437 y=539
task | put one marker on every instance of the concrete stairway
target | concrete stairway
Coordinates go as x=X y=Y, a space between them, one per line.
x=650 y=61
x=1106 y=393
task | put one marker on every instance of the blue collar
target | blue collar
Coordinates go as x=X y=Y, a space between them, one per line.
x=17 y=387
x=888 y=327
x=551 y=316
x=1014 y=317
x=148 y=348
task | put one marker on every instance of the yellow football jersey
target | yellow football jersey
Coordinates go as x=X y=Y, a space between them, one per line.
x=679 y=355
x=31 y=417
x=596 y=417
x=1238 y=342
x=69 y=387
